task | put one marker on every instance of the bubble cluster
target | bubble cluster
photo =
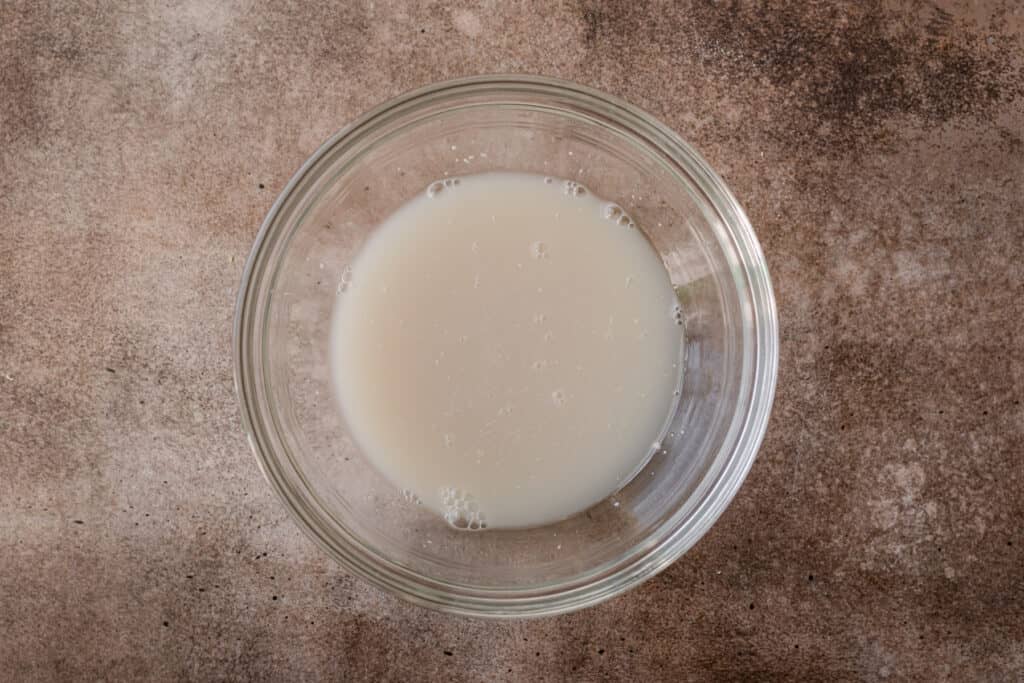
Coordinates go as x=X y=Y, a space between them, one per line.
x=677 y=315
x=435 y=188
x=346 y=280
x=461 y=510
x=615 y=213
x=410 y=497
x=573 y=189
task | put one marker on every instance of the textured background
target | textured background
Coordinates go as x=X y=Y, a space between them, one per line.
x=877 y=147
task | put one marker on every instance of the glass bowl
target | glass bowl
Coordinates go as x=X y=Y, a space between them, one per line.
x=299 y=265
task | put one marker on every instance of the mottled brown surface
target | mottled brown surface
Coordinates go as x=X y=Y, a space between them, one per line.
x=878 y=150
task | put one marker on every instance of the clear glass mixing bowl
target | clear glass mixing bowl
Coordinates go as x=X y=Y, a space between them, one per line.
x=299 y=265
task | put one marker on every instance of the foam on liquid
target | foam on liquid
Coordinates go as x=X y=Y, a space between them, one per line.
x=505 y=349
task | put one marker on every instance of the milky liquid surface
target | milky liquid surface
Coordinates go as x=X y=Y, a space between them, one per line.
x=506 y=349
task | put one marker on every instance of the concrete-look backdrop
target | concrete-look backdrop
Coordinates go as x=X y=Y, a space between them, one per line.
x=877 y=147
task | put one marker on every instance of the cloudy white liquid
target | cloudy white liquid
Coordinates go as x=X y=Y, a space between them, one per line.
x=506 y=349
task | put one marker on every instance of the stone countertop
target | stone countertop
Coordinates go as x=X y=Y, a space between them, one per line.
x=877 y=147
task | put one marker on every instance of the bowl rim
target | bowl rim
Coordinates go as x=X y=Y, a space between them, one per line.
x=565 y=597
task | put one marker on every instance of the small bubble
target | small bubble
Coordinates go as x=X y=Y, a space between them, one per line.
x=476 y=282
x=624 y=220
x=558 y=397
x=539 y=318
x=549 y=180
x=435 y=188
x=448 y=440
x=612 y=211
x=539 y=250
x=629 y=280
x=615 y=503
x=656 y=446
